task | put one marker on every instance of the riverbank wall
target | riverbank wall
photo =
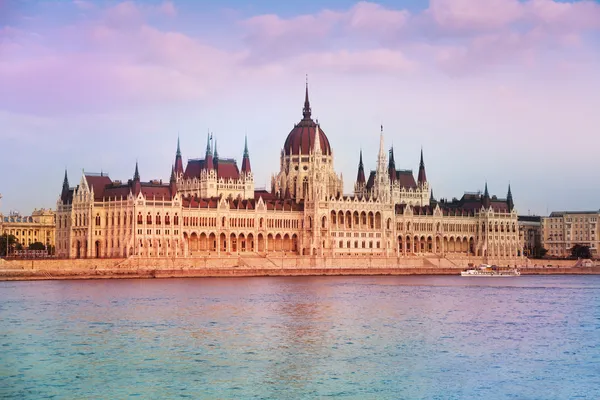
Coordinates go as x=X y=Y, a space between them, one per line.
x=256 y=265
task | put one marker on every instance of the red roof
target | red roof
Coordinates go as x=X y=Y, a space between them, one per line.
x=302 y=139
x=97 y=183
x=226 y=169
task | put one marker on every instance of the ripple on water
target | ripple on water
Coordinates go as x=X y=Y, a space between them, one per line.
x=308 y=337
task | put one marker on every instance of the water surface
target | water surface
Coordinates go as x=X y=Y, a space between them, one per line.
x=532 y=337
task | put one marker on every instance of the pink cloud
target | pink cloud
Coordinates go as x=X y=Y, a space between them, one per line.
x=467 y=16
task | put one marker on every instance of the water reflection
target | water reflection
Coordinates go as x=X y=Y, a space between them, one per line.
x=354 y=337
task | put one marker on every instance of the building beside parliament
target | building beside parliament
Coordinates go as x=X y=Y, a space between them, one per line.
x=211 y=208
x=29 y=229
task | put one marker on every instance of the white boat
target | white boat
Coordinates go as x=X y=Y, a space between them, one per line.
x=490 y=271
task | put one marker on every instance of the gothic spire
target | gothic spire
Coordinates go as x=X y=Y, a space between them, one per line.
x=422 y=176
x=208 y=147
x=215 y=152
x=178 y=160
x=246 y=160
x=306 y=112
x=509 y=199
x=486 y=198
x=317 y=144
x=208 y=158
x=392 y=165
x=360 y=177
x=65 y=182
x=136 y=174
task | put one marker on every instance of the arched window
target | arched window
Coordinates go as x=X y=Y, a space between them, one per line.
x=324 y=222
x=149 y=219
x=158 y=219
x=176 y=220
x=167 y=219
x=139 y=219
x=97 y=219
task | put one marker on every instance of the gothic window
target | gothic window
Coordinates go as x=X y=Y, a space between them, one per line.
x=167 y=219
x=305 y=188
x=324 y=222
x=158 y=219
x=112 y=219
x=97 y=219
x=260 y=222
x=139 y=219
x=149 y=219
x=176 y=220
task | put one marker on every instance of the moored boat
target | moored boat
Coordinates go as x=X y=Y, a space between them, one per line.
x=490 y=271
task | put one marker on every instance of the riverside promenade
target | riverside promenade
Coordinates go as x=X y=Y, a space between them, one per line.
x=263 y=265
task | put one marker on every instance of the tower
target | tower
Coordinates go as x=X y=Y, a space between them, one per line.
x=360 y=186
x=208 y=158
x=178 y=161
x=382 y=180
x=246 y=169
x=509 y=200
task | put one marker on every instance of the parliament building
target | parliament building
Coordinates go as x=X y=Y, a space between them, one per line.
x=211 y=208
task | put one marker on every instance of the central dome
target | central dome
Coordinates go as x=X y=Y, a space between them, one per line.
x=302 y=138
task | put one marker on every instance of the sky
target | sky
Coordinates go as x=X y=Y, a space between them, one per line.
x=496 y=91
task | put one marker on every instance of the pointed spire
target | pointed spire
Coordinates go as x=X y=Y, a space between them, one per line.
x=486 y=198
x=208 y=147
x=178 y=160
x=137 y=185
x=215 y=152
x=392 y=165
x=172 y=179
x=509 y=199
x=208 y=158
x=136 y=174
x=246 y=160
x=360 y=177
x=306 y=112
x=66 y=182
x=422 y=175
x=431 y=198
x=317 y=145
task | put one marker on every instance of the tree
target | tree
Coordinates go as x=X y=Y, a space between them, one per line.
x=581 y=251
x=37 y=246
x=539 y=251
x=13 y=244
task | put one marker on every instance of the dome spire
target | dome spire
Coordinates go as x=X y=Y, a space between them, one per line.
x=306 y=110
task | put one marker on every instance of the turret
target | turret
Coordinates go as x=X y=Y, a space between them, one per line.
x=485 y=200
x=208 y=158
x=65 y=188
x=360 y=177
x=178 y=160
x=422 y=179
x=136 y=183
x=306 y=112
x=215 y=155
x=392 y=165
x=509 y=199
x=246 y=169
x=173 y=183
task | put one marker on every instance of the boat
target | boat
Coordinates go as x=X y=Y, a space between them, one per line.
x=490 y=271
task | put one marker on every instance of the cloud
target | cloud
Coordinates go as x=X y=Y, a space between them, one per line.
x=117 y=57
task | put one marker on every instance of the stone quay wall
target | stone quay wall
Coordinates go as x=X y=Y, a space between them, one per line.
x=257 y=265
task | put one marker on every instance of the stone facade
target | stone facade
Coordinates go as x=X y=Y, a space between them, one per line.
x=563 y=230
x=211 y=209
x=530 y=233
x=37 y=227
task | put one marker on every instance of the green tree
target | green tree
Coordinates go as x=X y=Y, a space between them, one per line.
x=37 y=246
x=539 y=251
x=581 y=251
x=12 y=242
